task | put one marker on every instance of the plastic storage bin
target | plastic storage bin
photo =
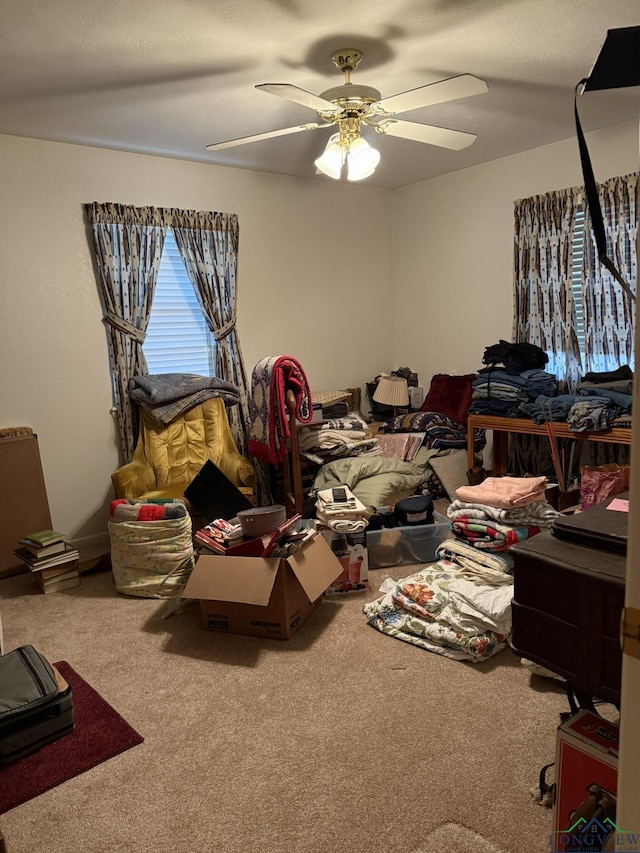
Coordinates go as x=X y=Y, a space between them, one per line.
x=406 y=546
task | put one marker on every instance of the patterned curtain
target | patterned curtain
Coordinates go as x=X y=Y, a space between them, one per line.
x=128 y=245
x=208 y=244
x=609 y=311
x=543 y=305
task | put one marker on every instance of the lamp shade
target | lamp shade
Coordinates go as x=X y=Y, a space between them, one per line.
x=392 y=391
x=331 y=160
x=362 y=160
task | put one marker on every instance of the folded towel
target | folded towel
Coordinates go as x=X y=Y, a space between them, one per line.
x=505 y=492
x=342 y=525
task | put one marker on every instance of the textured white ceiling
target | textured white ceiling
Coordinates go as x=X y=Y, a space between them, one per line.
x=169 y=77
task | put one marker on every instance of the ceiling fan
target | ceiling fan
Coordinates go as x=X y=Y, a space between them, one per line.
x=352 y=106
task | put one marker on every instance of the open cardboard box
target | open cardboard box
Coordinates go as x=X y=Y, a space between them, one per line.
x=262 y=596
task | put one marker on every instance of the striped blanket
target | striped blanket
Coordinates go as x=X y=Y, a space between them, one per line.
x=491 y=535
x=269 y=429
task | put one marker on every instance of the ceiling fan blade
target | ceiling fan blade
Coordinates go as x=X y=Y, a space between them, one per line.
x=441 y=136
x=244 y=140
x=434 y=93
x=300 y=96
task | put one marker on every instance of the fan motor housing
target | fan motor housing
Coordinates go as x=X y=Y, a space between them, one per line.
x=352 y=95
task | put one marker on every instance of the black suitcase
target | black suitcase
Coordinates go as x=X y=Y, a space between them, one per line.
x=36 y=704
x=598 y=526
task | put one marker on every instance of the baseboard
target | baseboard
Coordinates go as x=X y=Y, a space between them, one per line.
x=91 y=547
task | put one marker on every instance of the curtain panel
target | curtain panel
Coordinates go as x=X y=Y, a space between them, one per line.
x=543 y=305
x=208 y=245
x=609 y=311
x=211 y=257
x=128 y=246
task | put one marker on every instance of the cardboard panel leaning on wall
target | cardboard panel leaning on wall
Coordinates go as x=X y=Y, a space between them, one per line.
x=25 y=508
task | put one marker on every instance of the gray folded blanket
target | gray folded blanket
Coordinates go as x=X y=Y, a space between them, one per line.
x=166 y=396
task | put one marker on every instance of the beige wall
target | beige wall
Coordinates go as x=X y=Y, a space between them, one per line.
x=350 y=280
x=314 y=271
x=453 y=248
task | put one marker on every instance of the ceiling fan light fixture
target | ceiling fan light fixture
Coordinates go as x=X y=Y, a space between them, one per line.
x=331 y=160
x=352 y=106
x=362 y=160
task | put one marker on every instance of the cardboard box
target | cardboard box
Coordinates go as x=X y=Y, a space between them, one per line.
x=586 y=783
x=262 y=596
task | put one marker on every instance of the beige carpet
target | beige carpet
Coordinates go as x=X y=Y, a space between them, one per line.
x=454 y=838
x=339 y=740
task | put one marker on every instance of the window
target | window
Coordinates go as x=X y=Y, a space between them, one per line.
x=178 y=338
x=577 y=251
x=611 y=347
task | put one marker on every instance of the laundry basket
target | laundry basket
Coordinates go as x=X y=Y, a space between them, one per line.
x=151 y=559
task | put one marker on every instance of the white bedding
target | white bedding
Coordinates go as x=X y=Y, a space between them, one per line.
x=440 y=612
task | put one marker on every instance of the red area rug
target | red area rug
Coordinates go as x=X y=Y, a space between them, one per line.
x=100 y=733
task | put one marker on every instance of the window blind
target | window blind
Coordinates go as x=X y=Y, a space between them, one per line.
x=178 y=339
x=577 y=254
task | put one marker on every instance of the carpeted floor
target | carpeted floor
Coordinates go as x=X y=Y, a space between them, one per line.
x=99 y=734
x=339 y=740
x=453 y=838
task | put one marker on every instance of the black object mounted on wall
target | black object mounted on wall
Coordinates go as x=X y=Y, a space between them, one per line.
x=616 y=67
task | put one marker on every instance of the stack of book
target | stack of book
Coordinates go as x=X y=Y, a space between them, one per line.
x=51 y=559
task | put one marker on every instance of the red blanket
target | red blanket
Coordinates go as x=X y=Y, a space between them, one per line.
x=272 y=377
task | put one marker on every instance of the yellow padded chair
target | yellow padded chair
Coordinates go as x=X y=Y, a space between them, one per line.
x=168 y=456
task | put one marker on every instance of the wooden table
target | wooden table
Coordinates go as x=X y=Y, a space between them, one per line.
x=502 y=427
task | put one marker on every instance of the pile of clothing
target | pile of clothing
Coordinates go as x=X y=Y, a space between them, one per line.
x=498 y=392
x=514 y=375
x=501 y=511
x=460 y=607
x=515 y=384
x=336 y=438
x=603 y=400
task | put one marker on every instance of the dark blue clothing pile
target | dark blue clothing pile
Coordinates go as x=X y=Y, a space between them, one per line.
x=598 y=405
x=522 y=388
x=498 y=392
x=602 y=399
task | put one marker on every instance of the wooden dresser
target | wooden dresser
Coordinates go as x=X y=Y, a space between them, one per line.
x=568 y=600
